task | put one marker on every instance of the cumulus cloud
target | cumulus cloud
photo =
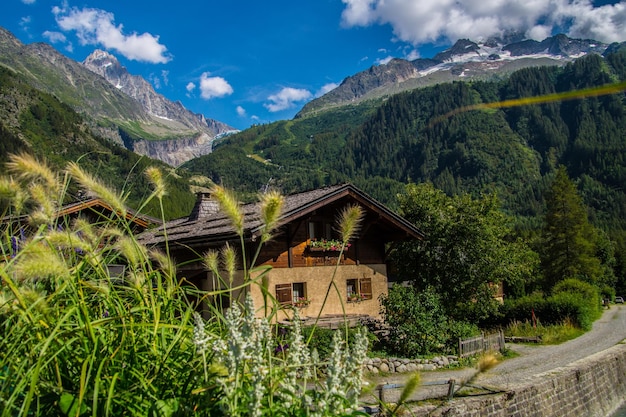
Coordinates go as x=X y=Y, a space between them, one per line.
x=54 y=37
x=286 y=98
x=190 y=87
x=211 y=87
x=241 y=112
x=97 y=27
x=426 y=21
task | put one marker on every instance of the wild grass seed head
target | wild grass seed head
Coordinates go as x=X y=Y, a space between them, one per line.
x=165 y=263
x=48 y=206
x=30 y=169
x=38 y=261
x=229 y=205
x=349 y=221
x=229 y=261
x=137 y=280
x=13 y=192
x=272 y=203
x=135 y=253
x=95 y=187
x=155 y=176
x=487 y=362
x=68 y=240
x=211 y=261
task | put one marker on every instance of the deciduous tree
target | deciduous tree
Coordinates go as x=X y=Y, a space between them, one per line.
x=467 y=250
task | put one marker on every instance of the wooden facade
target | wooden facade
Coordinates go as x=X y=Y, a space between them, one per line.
x=300 y=275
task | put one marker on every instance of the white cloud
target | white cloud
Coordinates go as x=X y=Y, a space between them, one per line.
x=286 y=98
x=211 y=87
x=25 y=22
x=425 y=21
x=97 y=27
x=383 y=61
x=190 y=87
x=606 y=23
x=412 y=55
x=28 y=1
x=326 y=88
x=241 y=111
x=156 y=81
x=54 y=37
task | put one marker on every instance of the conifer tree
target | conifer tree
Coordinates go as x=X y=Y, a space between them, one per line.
x=568 y=237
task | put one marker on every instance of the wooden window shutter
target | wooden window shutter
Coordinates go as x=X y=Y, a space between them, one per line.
x=283 y=293
x=366 y=288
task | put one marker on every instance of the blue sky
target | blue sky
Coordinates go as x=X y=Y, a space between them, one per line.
x=245 y=62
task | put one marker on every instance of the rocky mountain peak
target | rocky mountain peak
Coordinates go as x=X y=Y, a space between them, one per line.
x=460 y=49
x=109 y=67
x=465 y=60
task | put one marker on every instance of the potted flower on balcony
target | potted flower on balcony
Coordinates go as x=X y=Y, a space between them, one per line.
x=326 y=245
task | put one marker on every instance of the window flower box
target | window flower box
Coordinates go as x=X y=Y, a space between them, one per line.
x=301 y=302
x=355 y=298
x=326 y=245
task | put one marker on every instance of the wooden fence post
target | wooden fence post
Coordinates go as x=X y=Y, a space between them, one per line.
x=451 y=386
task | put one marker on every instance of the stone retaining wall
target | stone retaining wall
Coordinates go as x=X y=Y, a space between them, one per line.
x=391 y=365
x=591 y=387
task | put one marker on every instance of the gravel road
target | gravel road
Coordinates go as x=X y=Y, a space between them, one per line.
x=606 y=332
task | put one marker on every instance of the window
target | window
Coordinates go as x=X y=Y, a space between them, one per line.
x=291 y=293
x=319 y=230
x=359 y=289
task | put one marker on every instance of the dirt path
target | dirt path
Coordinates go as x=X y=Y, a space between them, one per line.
x=532 y=361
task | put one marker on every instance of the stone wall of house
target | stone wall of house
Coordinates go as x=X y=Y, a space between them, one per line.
x=594 y=386
x=319 y=278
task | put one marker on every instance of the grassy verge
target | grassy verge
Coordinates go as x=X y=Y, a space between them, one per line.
x=550 y=334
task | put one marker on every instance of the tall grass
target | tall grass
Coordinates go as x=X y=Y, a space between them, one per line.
x=550 y=334
x=76 y=341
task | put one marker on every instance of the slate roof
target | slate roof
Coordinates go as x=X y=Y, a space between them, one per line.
x=216 y=227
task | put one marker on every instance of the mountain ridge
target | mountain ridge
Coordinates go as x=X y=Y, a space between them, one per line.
x=465 y=60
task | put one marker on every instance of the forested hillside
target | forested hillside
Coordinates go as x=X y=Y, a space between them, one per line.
x=38 y=123
x=417 y=136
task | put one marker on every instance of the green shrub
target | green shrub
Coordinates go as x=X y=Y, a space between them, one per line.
x=581 y=311
x=575 y=286
x=459 y=330
x=571 y=300
x=419 y=325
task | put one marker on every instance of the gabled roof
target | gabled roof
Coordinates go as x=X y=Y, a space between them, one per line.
x=93 y=204
x=216 y=227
